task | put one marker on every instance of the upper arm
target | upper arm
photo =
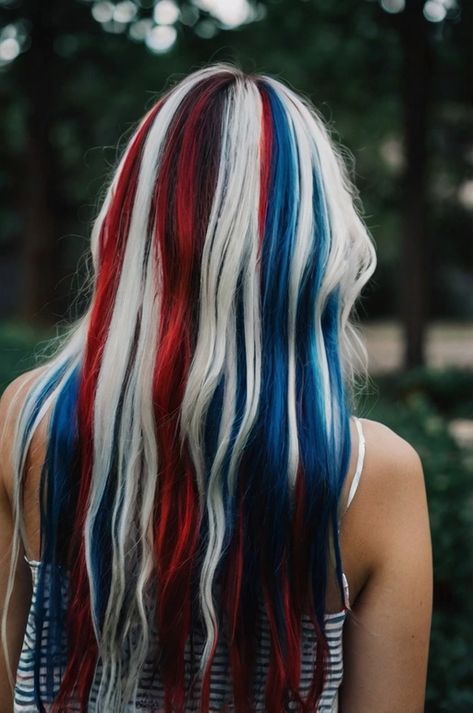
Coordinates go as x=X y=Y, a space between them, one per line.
x=21 y=595
x=387 y=634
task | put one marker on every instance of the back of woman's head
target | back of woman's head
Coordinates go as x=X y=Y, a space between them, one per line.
x=199 y=436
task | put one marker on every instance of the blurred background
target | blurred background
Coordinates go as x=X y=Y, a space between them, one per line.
x=394 y=80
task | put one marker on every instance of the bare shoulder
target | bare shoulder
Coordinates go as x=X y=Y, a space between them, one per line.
x=392 y=468
x=392 y=493
x=11 y=401
x=13 y=396
x=389 y=453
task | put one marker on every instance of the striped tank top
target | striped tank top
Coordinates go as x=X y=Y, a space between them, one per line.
x=150 y=696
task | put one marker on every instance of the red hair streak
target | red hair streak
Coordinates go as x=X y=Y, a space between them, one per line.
x=184 y=194
x=82 y=658
x=265 y=152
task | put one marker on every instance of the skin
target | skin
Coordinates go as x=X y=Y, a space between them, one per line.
x=386 y=550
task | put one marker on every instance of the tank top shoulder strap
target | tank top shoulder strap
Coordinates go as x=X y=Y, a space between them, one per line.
x=359 y=463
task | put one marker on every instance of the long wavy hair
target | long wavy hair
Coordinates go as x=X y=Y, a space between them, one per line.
x=199 y=409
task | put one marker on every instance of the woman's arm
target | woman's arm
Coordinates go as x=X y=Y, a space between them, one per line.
x=387 y=635
x=21 y=596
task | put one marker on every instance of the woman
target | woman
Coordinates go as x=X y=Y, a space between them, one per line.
x=177 y=477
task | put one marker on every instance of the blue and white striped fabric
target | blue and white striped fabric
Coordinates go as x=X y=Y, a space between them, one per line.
x=150 y=692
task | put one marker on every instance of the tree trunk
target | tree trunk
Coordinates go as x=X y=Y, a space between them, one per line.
x=414 y=287
x=39 y=259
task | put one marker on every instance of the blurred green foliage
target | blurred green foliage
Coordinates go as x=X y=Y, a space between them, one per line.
x=88 y=87
x=421 y=406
